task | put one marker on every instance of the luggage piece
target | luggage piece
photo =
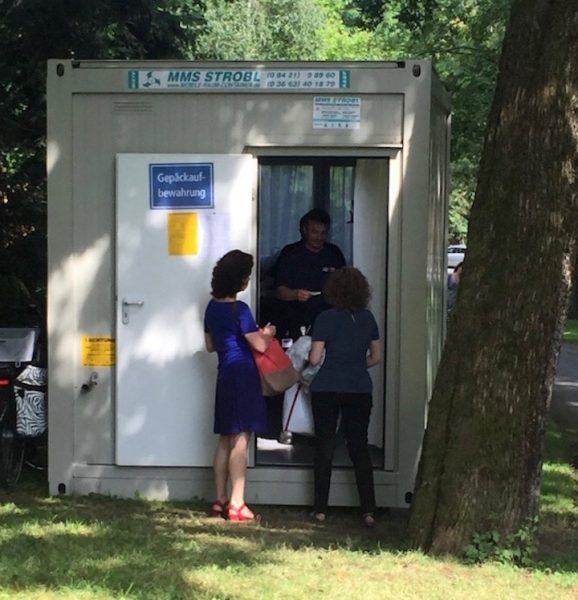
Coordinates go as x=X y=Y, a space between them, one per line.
x=30 y=393
x=297 y=413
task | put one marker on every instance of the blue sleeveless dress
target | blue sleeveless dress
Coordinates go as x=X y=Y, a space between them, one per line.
x=239 y=402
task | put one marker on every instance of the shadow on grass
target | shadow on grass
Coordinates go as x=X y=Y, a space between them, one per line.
x=155 y=550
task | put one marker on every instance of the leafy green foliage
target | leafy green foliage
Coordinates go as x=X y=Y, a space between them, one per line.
x=363 y=13
x=517 y=548
x=463 y=38
x=31 y=31
x=260 y=30
x=343 y=35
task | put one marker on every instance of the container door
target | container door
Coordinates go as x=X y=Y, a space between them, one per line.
x=176 y=215
x=371 y=222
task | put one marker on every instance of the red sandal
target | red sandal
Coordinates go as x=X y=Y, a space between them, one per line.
x=219 y=509
x=236 y=514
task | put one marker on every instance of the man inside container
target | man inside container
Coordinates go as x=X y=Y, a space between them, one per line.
x=300 y=273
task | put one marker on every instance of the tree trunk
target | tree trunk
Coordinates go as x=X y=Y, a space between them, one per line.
x=482 y=455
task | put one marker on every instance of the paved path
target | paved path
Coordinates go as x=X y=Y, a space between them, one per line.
x=564 y=406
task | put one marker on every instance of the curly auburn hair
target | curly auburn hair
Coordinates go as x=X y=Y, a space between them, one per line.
x=347 y=289
x=230 y=273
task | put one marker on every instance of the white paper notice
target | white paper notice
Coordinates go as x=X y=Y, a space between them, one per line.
x=215 y=235
x=336 y=112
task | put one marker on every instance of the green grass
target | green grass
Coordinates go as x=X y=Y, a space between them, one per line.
x=97 y=547
x=571 y=331
x=558 y=532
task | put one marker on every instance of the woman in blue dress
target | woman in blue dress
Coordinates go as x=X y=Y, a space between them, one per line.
x=349 y=336
x=231 y=331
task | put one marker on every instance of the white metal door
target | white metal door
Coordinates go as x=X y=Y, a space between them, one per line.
x=371 y=223
x=176 y=215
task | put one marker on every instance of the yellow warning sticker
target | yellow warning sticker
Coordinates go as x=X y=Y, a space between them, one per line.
x=98 y=351
x=183 y=230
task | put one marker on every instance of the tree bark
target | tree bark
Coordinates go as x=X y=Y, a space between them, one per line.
x=482 y=453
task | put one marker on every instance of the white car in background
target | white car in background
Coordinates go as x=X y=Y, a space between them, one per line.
x=456 y=253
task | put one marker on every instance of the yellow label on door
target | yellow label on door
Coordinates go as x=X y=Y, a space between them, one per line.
x=98 y=351
x=183 y=230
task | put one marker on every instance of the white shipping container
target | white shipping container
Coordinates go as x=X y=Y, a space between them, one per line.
x=156 y=169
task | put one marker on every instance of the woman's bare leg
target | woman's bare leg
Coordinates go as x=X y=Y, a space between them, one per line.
x=221 y=466
x=239 y=446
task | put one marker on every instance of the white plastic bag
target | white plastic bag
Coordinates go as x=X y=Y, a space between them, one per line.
x=297 y=413
x=298 y=352
x=299 y=355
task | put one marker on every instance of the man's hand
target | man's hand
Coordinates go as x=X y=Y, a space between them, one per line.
x=302 y=295
x=289 y=295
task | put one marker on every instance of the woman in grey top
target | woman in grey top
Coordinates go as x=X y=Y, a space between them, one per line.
x=349 y=336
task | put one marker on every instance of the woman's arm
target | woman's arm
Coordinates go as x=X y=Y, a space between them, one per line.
x=316 y=352
x=209 y=344
x=260 y=340
x=374 y=355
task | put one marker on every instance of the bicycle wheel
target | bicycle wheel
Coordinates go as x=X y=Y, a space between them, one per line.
x=11 y=448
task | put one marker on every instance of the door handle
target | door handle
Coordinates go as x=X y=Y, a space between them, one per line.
x=125 y=309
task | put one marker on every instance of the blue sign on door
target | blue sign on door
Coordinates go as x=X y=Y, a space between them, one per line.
x=181 y=185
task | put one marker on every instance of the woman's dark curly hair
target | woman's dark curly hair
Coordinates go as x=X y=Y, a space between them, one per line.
x=230 y=273
x=347 y=289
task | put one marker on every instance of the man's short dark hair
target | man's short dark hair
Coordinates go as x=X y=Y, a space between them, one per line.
x=315 y=215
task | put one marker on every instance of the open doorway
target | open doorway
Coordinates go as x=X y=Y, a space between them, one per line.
x=354 y=193
x=289 y=187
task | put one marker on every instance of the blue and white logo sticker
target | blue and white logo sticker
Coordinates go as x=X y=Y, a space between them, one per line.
x=238 y=79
